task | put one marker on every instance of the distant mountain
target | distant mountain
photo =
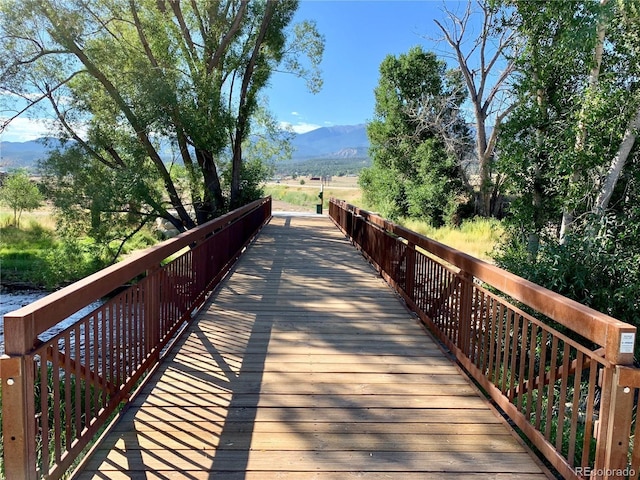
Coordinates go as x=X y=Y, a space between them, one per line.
x=25 y=154
x=339 y=142
x=345 y=141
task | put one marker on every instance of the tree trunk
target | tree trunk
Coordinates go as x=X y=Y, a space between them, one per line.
x=617 y=164
x=213 y=202
x=243 y=108
x=484 y=159
x=581 y=136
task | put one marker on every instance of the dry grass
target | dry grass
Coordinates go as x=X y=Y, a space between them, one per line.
x=306 y=195
x=42 y=216
x=476 y=237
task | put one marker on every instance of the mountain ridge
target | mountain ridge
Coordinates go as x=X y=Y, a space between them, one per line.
x=324 y=143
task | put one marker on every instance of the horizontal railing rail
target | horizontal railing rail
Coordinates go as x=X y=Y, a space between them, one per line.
x=561 y=371
x=61 y=387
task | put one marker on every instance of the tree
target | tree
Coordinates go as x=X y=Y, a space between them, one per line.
x=415 y=167
x=577 y=100
x=536 y=148
x=487 y=64
x=133 y=82
x=628 y=25
x=570 y=152
x=19 y=193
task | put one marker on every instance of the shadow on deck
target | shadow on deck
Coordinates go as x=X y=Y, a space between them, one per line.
x=304 y=364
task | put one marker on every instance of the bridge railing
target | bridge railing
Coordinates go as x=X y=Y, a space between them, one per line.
x=562 y=372
x=62 y=384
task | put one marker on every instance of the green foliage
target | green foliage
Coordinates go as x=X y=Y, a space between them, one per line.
x=20 y=194
x=599 y=266
x=139 y=86
x=570 y=119
x=43 y=258
x=254 y=173
x=413 y=173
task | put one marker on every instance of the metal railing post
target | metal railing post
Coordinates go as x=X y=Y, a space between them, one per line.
x=152 y=311
x=616 y=409
x=410 y=271
x=18 y=417
x=465 y=313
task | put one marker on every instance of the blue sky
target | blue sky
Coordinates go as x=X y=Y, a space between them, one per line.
x=359 y=34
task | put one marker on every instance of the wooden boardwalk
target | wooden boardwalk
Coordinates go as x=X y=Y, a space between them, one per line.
x=304 y=364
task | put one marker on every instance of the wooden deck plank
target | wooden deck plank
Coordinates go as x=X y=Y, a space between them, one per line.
x=304 y=364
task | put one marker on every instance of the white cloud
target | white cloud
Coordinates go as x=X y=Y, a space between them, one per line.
x=25 y=129
x=299 y=127
x=295 y=114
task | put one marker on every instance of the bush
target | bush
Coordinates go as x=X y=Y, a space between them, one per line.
x=598 y=266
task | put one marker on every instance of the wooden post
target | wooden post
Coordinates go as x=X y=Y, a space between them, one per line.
x=616 y=408
x=18 y=417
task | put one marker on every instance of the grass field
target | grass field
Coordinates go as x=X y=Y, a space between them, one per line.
x=303 y=192
x=33 y=255
x=476 y=237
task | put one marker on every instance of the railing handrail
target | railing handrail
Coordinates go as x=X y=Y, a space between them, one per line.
x=22 y=326
x=591 y=324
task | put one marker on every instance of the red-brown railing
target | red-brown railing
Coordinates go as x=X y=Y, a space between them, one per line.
x=80 y=375
x=562 y=372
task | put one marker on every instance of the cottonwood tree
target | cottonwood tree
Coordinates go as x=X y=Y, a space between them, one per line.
x=537 y=144
x=570 y=152
x=414 y=172
x=132 y=80
x=626 y=37
x=568 y=140
x=486 y=60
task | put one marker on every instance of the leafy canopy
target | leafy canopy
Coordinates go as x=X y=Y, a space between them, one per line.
x=415 y=166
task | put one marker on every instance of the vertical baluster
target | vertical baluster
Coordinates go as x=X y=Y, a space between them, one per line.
x=492 y=339
x=564 y=385
x=551 y=390
x=410 y=271
x=56 y=401
x=88 y=384
x=117 y=348
x=575 y=408
x=476 y=327
x=521 y=336
x=541 y=377
x=44 y=407
x=138 y=321
x=68 y=405
x=77 y=374
x=104 y=353
x=499 y=345
x=516 y=368
x=507 y=349
x=97 y=348
x=131 y=344
x=533 y=343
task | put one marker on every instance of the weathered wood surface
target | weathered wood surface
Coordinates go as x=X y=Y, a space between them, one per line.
x=305 y=365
